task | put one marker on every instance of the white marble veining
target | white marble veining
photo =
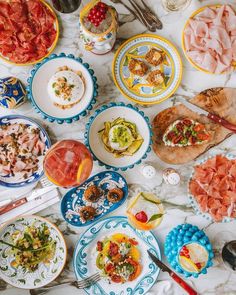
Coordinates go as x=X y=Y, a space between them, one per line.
x=219 y=280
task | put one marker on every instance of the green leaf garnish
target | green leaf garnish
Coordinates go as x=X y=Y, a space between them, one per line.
x=155 y=217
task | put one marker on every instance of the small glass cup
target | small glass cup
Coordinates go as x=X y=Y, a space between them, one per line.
x=145 y=211
x=66 y=6
x=175 y=5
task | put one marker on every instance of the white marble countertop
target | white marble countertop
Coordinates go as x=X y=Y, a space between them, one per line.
x=218 y=280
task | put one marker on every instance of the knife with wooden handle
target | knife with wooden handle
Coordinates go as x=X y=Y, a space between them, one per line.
x=36 y=194
x=211 y=116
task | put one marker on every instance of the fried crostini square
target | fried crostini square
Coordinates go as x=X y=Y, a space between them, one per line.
x=154 y=57
x=155 y=78
x=138 y=67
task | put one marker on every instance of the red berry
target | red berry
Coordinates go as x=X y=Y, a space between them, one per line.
x=98 y=14
x=186 y=255
x=141 y=216
x=96 y=24
x=198 y=265
x=103 y=5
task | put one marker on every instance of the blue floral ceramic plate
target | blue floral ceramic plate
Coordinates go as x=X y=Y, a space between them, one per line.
x=85 y=257
x=74 y=199
x=140 y=89
x=45 y=273
x=18 y=180
x=111 y=112
x=194 y=202
x=38 y=88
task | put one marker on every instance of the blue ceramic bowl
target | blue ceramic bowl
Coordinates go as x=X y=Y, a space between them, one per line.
x=38 y=92
x=183 y=235
x=12 y=93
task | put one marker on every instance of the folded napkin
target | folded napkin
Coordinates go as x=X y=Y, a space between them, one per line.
x=34 y=206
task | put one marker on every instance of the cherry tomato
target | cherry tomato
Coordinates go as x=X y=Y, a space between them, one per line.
x=109 y=268
x=99 y=246
x=133 y=242
x=170 y=135
x=113 y=249
x=198 y=127
x=177 y=139
x=193 y=139
x=187 y=122
x=198 y=265
x=202 y=136
x=141 y=216
x=116 y=278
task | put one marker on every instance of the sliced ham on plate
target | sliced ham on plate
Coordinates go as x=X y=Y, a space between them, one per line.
x=209 y=39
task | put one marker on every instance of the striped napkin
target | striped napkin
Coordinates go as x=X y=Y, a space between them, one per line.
x=34 y=206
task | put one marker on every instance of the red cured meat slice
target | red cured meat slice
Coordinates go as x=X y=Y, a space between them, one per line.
x=26 y=30
x=218 y=195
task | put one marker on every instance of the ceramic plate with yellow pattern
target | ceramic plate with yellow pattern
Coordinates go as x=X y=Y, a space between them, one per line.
x=147 y=69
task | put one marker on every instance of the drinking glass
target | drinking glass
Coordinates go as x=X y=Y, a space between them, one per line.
x=175 y=5
x=68 y=163
x=66 y=6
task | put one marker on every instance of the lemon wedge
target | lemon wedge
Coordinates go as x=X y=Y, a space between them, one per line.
x=187 y=264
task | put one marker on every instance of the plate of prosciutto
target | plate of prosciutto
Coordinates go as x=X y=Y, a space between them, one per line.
x=29 y=31
x=212 y=188
x=23 y=144
x=209 y=39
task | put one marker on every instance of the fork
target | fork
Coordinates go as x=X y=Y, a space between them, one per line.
x=138 y=15
x=147 y=14
x=85 y=283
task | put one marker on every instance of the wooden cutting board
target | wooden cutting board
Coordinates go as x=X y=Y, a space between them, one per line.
x=220 y=101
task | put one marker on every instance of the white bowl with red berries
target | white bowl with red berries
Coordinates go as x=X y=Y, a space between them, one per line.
x=98 y=27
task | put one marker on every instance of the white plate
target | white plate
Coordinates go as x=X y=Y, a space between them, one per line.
x=110 y=113
x=38 y=85
x=45 y=273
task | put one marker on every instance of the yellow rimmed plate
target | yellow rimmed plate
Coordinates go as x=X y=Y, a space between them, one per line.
x=196 y=12
x=50 y=50
x=137 y=88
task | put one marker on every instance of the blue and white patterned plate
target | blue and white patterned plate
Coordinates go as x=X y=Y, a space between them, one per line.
x=109 y=113
x=73 y=200
x=10 y=181
x=38 y=94
x=193 y=201
x=84 y=259
x=45 y=273
x=137 y=88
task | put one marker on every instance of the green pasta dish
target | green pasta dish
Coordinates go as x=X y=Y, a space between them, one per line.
x=32 y=247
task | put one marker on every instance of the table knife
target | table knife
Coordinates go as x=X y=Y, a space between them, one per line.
x=173 y=275
x=211 y=116
x=36 y=194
